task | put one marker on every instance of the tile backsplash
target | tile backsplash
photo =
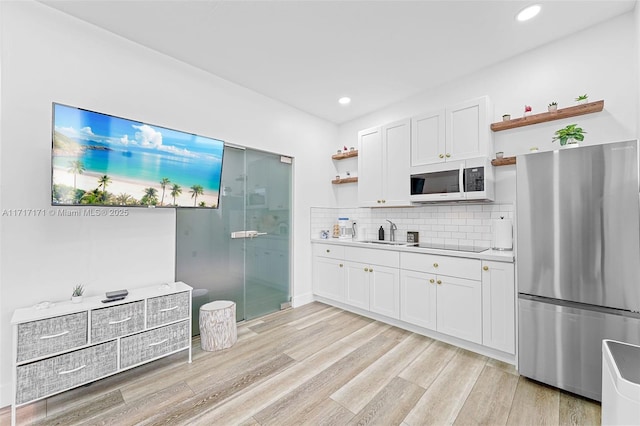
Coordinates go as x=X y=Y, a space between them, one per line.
x=468 y=224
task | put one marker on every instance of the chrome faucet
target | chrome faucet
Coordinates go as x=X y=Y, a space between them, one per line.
x=392 y=231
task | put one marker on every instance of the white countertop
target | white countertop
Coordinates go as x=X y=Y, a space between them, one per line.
x=489 y=254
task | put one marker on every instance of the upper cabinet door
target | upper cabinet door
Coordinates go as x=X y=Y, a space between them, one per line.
x=383 y=165
x=396 y=153
x=467 y=129
x=370 y=167
x=428 y=138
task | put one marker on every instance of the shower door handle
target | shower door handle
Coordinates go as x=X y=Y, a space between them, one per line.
x=246 y=234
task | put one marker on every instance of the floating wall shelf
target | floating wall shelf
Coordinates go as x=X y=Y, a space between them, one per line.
x=503 y=161
x=561 y=113
x=345 y=180
x=344 y=155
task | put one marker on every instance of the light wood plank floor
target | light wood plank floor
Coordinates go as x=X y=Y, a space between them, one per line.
x=316 y=365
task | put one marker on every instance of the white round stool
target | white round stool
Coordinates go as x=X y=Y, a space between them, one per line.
x=218 y=325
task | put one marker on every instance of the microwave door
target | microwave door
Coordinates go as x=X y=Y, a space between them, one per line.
x=440 y=185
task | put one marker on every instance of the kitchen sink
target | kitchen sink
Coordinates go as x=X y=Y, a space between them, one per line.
x=389 y=243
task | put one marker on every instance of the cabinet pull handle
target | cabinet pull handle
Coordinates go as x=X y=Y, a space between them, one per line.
x=341 y=265
x=168 y=309
x=51 y=336
x=328 y=251
x=432 y=281
x=370 y=269
x=366 y=269
x=448 y=155
x=435 y=265
x=485 y=268
x=441 y=156
x=439 y=282
x=120 y=321
x=158 y=343
x=72 y=371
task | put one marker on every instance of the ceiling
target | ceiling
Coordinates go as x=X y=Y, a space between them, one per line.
x=309 y=53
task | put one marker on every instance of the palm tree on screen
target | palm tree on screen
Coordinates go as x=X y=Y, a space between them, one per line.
x=104 y=180
x=163 y=184
x=175 y=191
x=76 y=167
x=195 y=191
x=150 y=197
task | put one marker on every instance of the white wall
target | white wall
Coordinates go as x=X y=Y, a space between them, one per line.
x=48 y=56
x=637 y=54
x=600 y=61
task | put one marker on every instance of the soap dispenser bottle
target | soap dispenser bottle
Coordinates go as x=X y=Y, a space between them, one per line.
x=381 y=233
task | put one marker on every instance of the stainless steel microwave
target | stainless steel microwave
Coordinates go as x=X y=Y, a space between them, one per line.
x=463 y=180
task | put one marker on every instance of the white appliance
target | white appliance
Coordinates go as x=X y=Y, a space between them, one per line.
x=462 y=180
x=620 y=383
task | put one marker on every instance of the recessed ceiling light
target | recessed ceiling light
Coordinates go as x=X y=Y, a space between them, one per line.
x=528 y=13
x=344 y=100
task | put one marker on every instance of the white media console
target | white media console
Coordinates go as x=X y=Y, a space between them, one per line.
x=71 y=344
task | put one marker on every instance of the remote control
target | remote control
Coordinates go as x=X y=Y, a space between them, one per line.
x=115 y=294
x=112 y=299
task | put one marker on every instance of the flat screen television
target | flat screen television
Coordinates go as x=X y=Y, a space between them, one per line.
x=103 y=160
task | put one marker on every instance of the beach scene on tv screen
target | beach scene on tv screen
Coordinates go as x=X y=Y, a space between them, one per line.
x=99 y=159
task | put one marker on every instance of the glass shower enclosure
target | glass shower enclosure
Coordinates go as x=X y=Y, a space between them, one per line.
x=241 y=251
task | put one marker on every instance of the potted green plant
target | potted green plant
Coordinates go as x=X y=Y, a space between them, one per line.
x=78 y=291
x=569 y=135
x=553 y=106
x=582 y=99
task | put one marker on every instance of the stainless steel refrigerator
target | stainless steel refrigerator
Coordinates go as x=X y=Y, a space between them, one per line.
x=578 y=261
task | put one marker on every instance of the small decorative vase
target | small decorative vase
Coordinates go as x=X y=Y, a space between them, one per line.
x=553 y=108
x=506 y=117
x=76 y=299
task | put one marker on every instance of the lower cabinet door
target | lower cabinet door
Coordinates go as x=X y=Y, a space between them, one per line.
x=357 y=284
x=498 y=306
x=154 y=343
x=48 y=376
x=328 y=278
x=385 y=291
x=418 y=291
x=460 y=308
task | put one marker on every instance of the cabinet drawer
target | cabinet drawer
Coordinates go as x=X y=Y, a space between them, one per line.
x=51 y=335
x=115 y=321
x=165 y=309
x=446 y=265
x=154 y=343
x=55 y=374
x=388 y=258
x=328 y=250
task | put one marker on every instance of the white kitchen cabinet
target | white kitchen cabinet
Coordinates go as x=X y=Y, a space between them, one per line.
x=383 y=165
x=428 y=138
x=459 y=308
x=456 y=133
x=357 y=284
x=498 y=306
x=448 y=304
x=418 y=298
x=328 y=272
x=373 y=287
x=373 y=280
x=385 y=291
